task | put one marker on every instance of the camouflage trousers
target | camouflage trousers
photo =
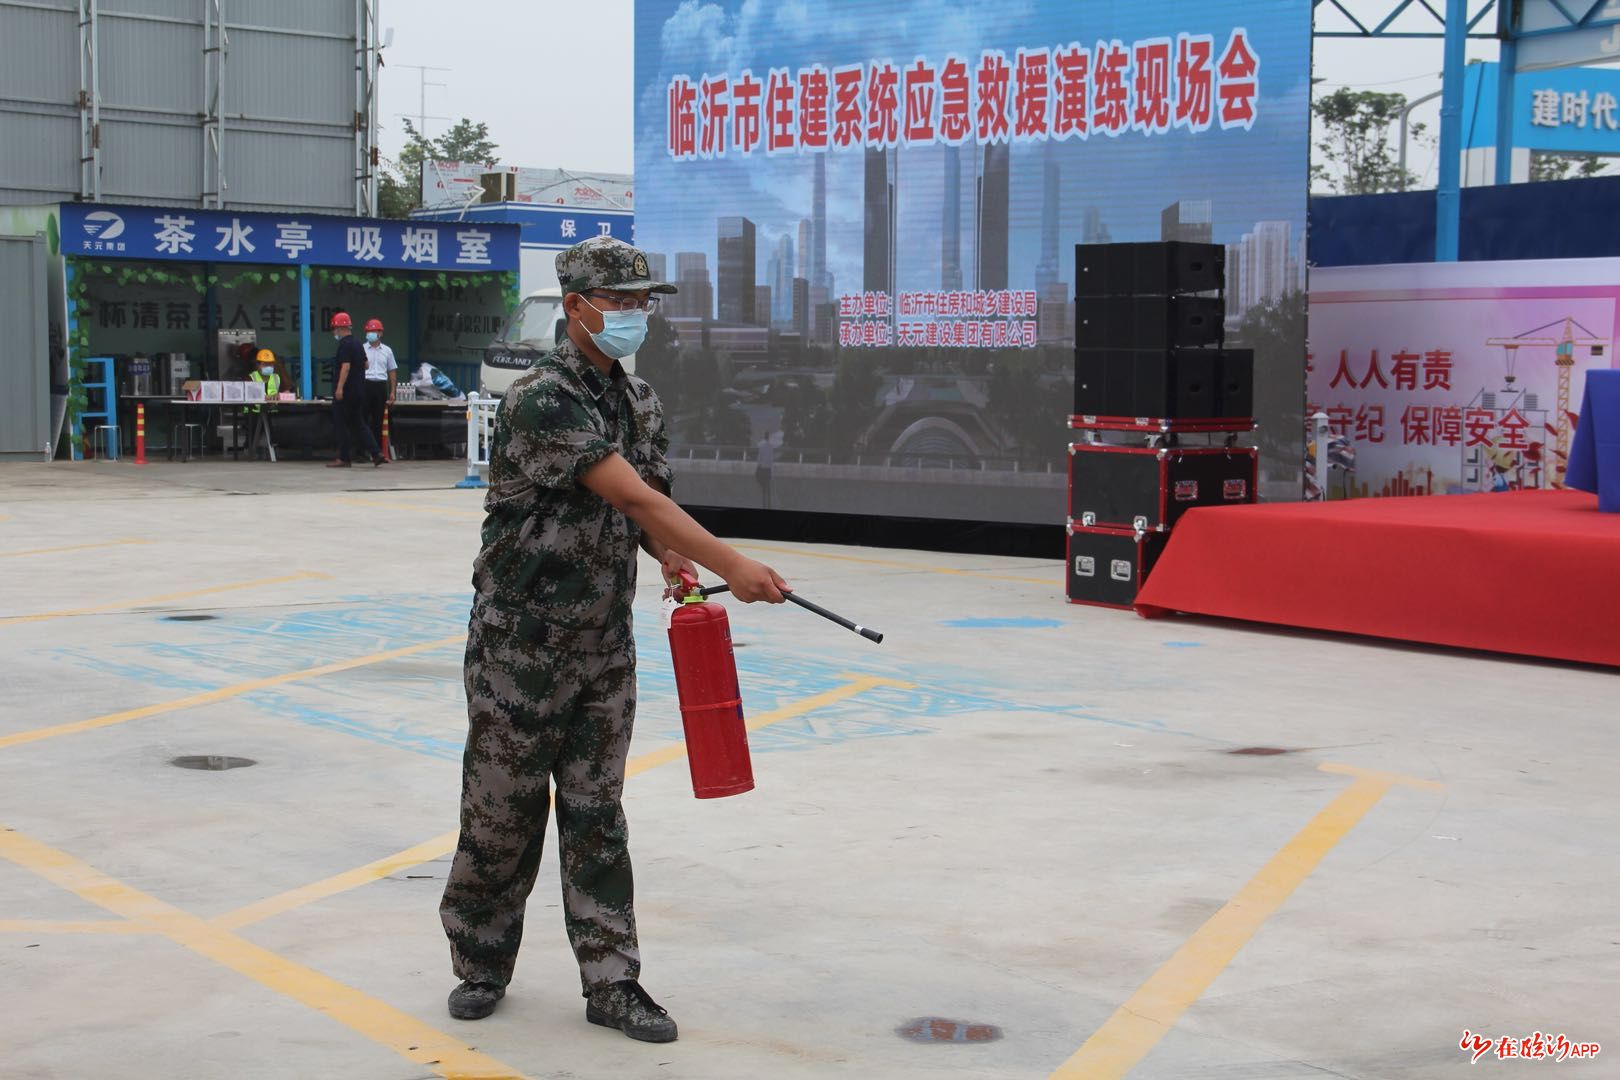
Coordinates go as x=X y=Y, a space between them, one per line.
x=538 y=712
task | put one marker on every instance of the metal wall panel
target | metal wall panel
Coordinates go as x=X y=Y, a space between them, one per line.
x=39 y=55
x=267 y=171
x=24 y=348
x=189 y=11
x=157 y=163
x=313 y=16
x=289 y=100
x=284 y=77
x=151 y=65
x=39 y=157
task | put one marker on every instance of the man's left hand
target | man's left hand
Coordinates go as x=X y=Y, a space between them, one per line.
x=673 y=563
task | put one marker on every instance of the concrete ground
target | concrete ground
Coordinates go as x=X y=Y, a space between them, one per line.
x=1018 y=839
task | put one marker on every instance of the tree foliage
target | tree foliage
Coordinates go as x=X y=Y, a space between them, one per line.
x=400 y=191
x=1551 y=165
x=1353 y=131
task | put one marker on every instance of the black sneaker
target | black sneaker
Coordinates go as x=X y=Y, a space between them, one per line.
x=475 y=1000
x=626 y=1006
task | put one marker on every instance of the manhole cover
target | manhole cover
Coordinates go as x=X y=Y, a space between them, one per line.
x=937 y=1029
x=188 y=618
x=212 y=762
x=1260 y=751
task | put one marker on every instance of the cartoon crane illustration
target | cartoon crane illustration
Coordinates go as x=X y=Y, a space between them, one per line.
x=1564 y=358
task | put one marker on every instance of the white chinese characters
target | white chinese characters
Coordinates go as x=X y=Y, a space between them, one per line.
x=1544 y=108
x=1603 y=109
x=1575 y=106
x=1577 y=109
x=174 y=234
x=420 y=245
x=365 y=243
x=292 y=237
x=233 y=238
x=474 y=247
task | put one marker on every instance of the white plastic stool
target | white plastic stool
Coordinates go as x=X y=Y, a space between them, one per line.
x=110 y=443
x=185 y=432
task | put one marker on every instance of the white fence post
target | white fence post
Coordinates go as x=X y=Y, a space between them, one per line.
x=1322 y=468
x=475 y=443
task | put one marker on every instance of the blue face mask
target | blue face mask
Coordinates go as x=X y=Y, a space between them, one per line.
x=622 y=331
x=373 y=337
x=267 y=370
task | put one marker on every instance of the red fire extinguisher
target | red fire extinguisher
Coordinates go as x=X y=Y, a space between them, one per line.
x=711 y=703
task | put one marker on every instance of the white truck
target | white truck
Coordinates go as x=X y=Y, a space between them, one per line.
x=532 y=331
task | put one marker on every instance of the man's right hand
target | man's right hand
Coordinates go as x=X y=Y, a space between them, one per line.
x=339 y=395
x=751 y=581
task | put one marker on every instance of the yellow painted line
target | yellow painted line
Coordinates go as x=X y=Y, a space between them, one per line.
x=62 y=926
x=306 y=575
x=978 y=575
x=1392 y=779
x=858 y=684
x=71 y=547
x=444 y=844
x=224 y=693
x=1137 y=1026
x=427 y=851
x=379 y=1022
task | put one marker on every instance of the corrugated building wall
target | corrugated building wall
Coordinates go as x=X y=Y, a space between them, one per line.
x=156 y=101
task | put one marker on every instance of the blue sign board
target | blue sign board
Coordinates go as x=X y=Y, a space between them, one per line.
x=1562 y=33
x=903 y=179
x=1570 y=110
x=227 y=236
x=548 y=226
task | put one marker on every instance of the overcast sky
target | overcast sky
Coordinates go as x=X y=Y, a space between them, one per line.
x=553 y=80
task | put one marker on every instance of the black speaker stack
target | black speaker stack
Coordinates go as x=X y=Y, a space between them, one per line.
x=1151 y=372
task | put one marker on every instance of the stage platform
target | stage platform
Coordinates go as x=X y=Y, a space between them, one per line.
x=1535 y=573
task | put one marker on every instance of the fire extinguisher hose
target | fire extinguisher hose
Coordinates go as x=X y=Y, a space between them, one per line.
x=865 y=631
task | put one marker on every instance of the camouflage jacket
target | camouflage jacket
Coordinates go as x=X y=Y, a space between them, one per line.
x=558 y=563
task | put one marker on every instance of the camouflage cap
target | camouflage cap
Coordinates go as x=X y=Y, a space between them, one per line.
x=605 y=263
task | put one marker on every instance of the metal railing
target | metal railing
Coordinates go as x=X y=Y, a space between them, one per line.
x=906 y=460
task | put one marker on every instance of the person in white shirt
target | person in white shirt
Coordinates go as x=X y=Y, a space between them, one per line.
x=381 y=374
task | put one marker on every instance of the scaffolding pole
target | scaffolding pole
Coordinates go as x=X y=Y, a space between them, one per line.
x=89 y=101
x=216 y=43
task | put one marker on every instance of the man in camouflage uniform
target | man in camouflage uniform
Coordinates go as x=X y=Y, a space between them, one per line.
x=577 y=480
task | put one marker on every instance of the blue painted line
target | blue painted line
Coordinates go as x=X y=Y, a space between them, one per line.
x=398 y=736
x=776 y=666
x=1184 y=644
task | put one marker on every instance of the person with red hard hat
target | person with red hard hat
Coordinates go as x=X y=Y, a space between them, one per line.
x=382 y=371
x=349 y=394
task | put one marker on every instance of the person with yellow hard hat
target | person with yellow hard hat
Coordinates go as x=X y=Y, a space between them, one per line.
x=264 y=373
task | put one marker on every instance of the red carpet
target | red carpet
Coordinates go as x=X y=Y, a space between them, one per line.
x=1535 y=573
